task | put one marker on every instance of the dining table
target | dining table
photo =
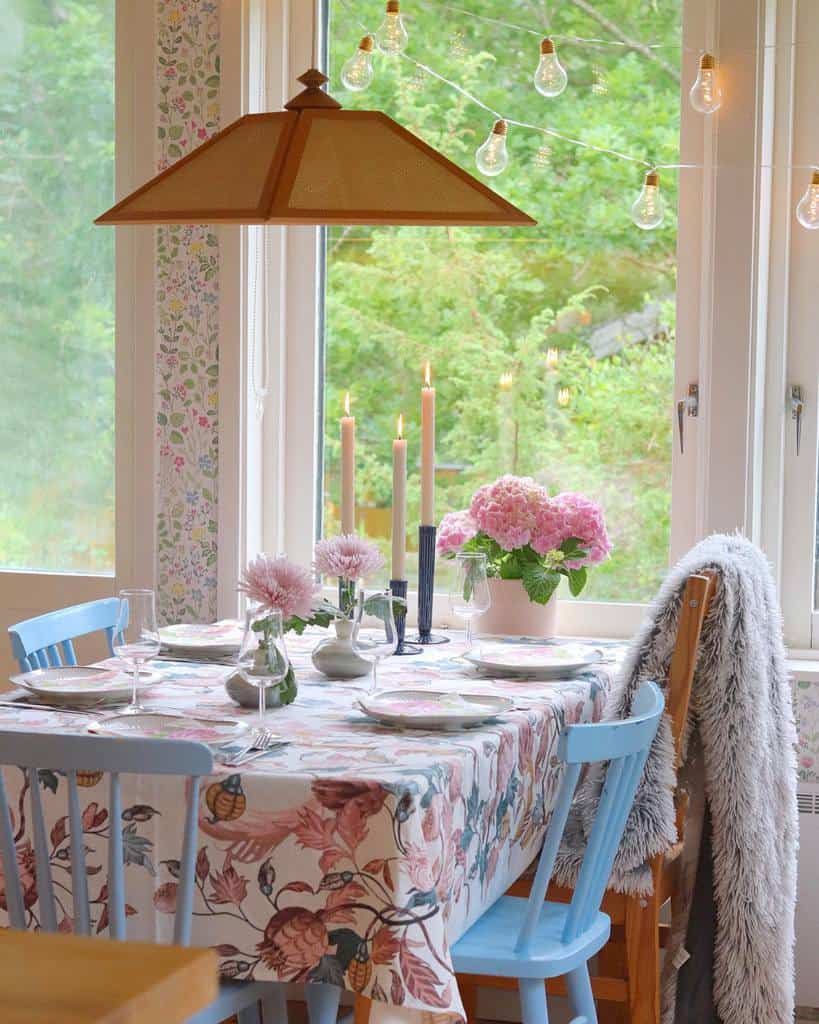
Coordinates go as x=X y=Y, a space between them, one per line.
x=352 y=853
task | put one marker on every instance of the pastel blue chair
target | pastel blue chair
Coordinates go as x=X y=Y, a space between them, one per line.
x=38 y=642
x=69 y=754
x=532 y=940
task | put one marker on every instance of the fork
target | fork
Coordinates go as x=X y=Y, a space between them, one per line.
x=261 y=742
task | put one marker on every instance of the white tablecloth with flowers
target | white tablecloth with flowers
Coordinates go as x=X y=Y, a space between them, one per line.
x=356 y=855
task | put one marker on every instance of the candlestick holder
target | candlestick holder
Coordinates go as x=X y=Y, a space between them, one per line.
x=398 y=588
x=426 y=587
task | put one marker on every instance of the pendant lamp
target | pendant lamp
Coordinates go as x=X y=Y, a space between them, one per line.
x=315 y=163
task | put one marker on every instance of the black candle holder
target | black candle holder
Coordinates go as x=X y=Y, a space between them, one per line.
x=398 y=588
x=426 y=587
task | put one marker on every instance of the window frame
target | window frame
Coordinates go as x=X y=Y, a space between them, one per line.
x=722 y=273
x=30 y=592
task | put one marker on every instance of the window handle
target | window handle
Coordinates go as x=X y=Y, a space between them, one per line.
x=797 y=408
x=688 y=406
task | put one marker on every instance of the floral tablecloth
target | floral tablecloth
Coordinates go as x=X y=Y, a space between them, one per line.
x=356 y=855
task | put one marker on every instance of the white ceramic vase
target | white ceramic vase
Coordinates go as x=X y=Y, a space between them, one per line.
x=335 y=657
x=513 y=614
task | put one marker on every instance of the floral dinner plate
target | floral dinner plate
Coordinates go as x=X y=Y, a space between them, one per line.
x=544 y=660
x=222 y=637
x=159 y=725
x=431 y=709
x=78 y=684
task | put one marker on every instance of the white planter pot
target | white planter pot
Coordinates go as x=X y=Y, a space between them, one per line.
x=513 y=614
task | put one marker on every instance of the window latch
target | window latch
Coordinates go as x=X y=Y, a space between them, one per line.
x=688 y=406
x=797 y=404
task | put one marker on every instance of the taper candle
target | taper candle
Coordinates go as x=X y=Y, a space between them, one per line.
x=399 y=503
x=427 y=450
x=347 y=469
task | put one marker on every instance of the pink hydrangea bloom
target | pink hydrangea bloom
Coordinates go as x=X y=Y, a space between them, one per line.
x=455 y=530
x=584 y=520
x=347 y=556
x=507 y=510
x=279 y=585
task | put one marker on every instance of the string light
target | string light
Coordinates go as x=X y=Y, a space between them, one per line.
x=563 y=397
x=357 y=72
x=506 y=381
x=493 y=156
x=550 y=76
x=706 y=94
x=552 y=357
x=648 y=208
x=391 y=37
x=807 y=211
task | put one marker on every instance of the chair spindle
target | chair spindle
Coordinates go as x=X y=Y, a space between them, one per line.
x=45 y=886
x=79 y=879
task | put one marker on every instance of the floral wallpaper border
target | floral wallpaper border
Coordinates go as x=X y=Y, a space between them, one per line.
x=187 y=310
x=806 y=704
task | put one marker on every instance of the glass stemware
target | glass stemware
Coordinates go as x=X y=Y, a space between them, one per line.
x=375 y=635
x=470 y=594
x=136 y=636
x=263 y=659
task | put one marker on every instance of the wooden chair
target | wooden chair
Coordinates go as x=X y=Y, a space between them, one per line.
x=69 y=754
x=628 y=967
x=34 y=642
x=529 y=940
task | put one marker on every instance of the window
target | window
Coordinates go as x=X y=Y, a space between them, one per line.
x=56 y=286
x=552 y=348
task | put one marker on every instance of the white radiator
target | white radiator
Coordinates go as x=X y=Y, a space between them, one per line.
x=807 y=909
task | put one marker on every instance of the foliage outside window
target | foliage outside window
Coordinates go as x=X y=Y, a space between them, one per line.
x=56 y=285
x=486 y=306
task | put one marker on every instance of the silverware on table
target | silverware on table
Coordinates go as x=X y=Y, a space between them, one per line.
x=262 y=741
x=24 y=705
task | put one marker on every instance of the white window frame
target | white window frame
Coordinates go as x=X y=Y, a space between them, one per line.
x=723 y=248
x=23 y=594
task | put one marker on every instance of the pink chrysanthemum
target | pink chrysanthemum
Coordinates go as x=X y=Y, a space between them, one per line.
x=455 y=530
x=347 y=556
x=279 y=585
x=584 y=520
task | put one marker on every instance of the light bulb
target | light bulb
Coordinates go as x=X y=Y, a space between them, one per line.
x=391 y=37
x=492 y=157
x=706 y=95
x=807 y=212
x=552 y=358
x=564 y=397
x=648 y=209
x=550 y=77
x=357 y=72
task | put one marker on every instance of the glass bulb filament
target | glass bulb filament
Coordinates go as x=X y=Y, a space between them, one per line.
x=550 y=76
x=648 y=209
x=357 y=72
x=391 y=37
x=706 y=94
x=493 y=156
x=807 y=212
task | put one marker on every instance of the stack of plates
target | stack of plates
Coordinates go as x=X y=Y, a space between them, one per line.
x=202 y=641
x=80 y=686
x=534 y=659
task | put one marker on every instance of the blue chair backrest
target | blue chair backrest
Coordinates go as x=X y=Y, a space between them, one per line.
x=36 y=642
x=31 y=751
x=625 y=745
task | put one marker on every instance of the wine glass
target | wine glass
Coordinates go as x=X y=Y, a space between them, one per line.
x=376 y=639
x=263 y=659
x=136 y=636
x=470 y=595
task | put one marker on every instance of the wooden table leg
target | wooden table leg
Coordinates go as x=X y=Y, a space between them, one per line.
x=611 y=963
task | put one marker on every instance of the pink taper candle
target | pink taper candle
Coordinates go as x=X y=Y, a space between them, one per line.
x=399 y=504
x=347 y=469
x=427 y=450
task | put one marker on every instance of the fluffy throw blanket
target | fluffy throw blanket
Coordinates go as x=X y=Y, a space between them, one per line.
x=740 y=843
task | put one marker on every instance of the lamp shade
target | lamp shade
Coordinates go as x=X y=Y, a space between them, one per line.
x=315 y=163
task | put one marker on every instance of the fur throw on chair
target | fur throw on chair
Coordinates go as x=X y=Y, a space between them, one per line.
x=739 y=762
